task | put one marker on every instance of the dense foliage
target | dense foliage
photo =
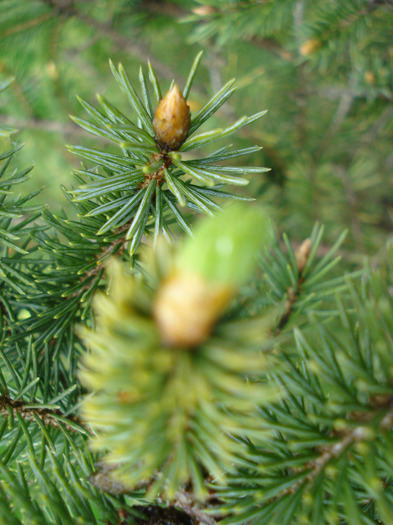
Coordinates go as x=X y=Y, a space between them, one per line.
x=157 y=367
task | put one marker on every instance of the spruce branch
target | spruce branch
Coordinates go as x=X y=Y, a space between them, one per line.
x=160 y=339
x=362 y=430
x=50 y=487
x=13 y=209
x=18 y=217
x=148 y=183
x=65 y=301
x=333 y=428
x=296 y=281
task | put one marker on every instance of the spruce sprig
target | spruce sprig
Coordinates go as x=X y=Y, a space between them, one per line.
x=174 y=374
x=148 y=185
x=296 y=281
x=329 y=460
x=17 y=225
x=16 y=212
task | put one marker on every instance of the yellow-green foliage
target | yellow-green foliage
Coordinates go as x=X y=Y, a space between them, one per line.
x=167 y=411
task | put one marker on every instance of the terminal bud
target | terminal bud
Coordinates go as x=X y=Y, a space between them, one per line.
x=310 y=46
x=172 y=120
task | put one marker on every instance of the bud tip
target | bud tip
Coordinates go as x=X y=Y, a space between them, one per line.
x=172 y=120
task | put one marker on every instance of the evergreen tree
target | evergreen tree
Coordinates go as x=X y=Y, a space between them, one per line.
x=157 y=367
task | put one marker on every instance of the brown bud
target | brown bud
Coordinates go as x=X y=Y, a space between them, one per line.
x=187 y=307
x=51 y=70
x=172 y=120
x=310 y=46
x=204 y=10
x=302 y=254
x=369 y=78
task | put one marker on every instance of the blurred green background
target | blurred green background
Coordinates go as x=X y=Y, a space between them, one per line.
x=322 y=68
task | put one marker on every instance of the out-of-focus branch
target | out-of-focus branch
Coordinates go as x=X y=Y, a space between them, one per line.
x=164 y=8
x=42 y=124
x=29 y=23
x=139 y=50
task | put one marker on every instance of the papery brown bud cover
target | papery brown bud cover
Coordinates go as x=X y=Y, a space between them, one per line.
x=204 y=10
x=369 y=78
x=172 y=120
x=302 y=254
x=187 y=307
x=310 y=46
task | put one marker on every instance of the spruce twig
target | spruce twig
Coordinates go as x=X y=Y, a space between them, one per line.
x=51 y=418
x=301 y=255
